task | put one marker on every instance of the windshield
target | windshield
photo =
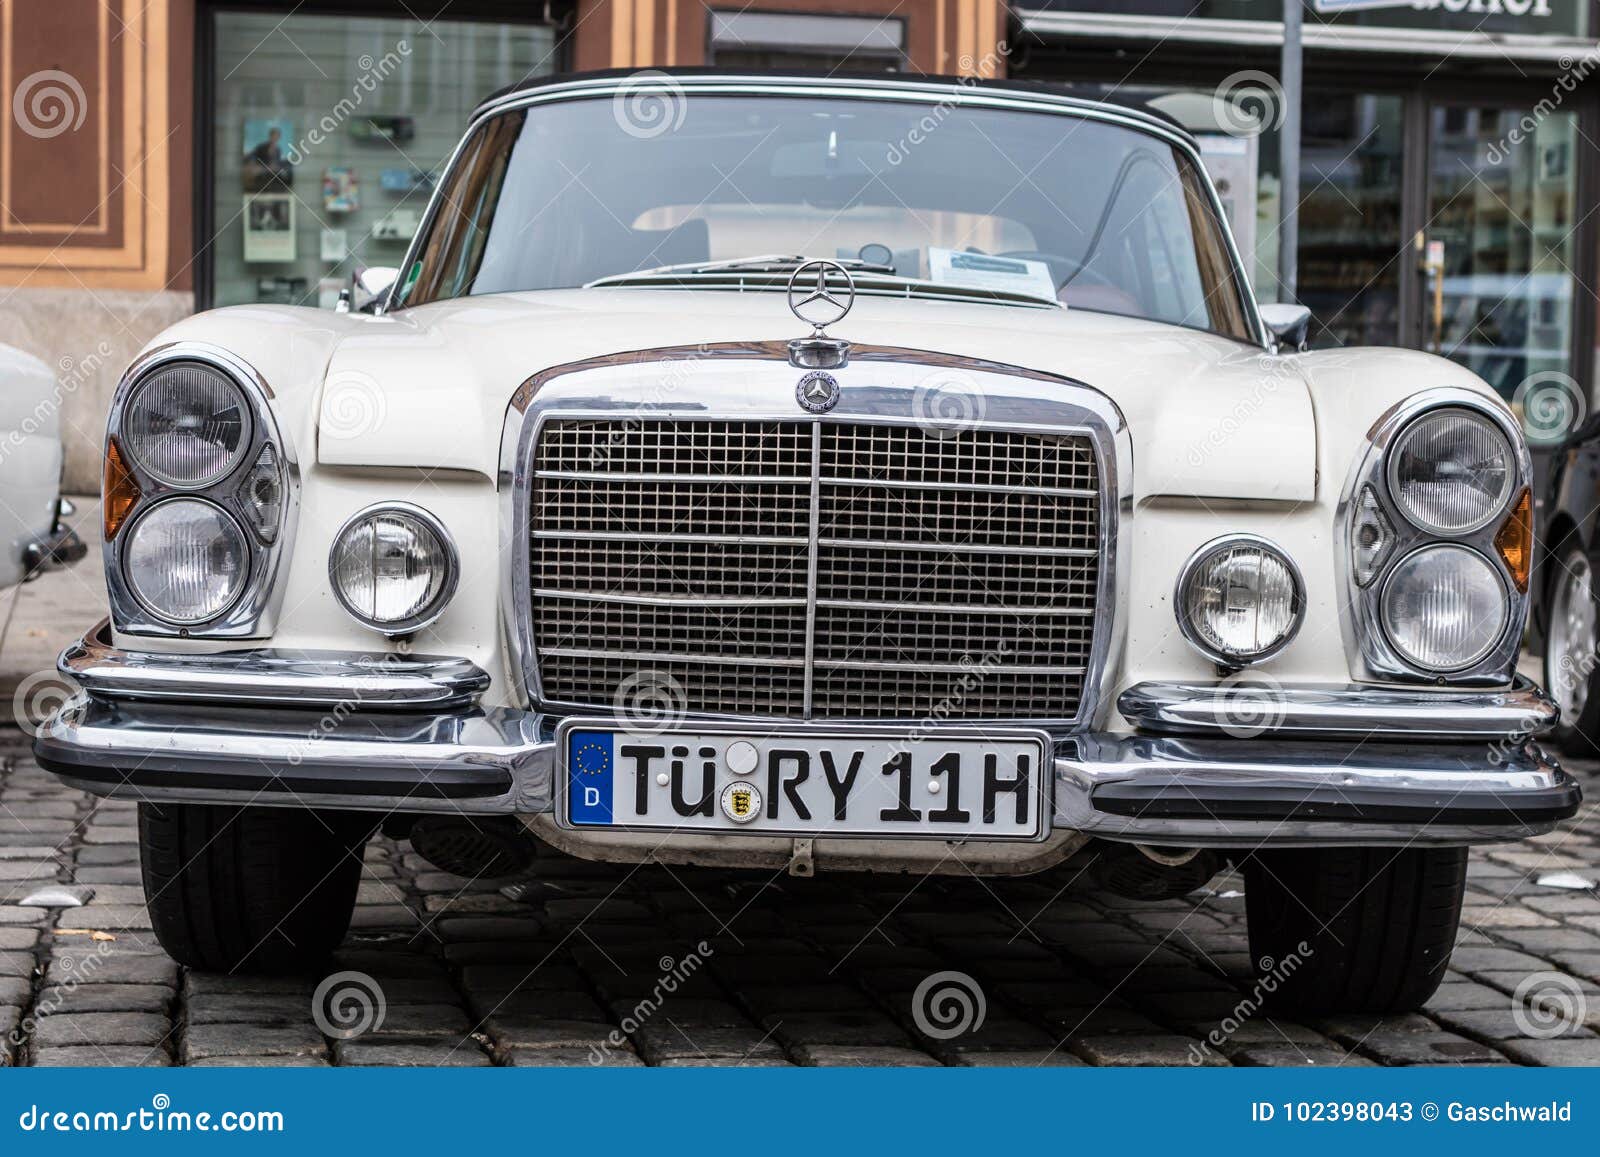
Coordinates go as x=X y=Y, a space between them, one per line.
x=1095 y=215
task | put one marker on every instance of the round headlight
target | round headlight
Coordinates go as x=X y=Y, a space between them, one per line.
x=186 y=424
x=393 y=568
x=1452 y=470
x=1444 y=607
x=1240 y=600
x=186 y=560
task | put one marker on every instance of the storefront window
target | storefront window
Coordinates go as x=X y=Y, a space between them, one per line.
x=1529 y=17
x=328 y=133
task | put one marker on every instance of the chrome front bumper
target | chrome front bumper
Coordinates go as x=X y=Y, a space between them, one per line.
x=373 y=733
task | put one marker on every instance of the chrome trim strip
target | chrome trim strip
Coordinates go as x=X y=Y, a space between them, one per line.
x=270 y=677
x=1244 y=710
x=631 y=536
x=961 y=547
x=503 y=761
x=668 y=600
x=916 y=92
x=254 y=613
x=1366 y=644
x=813 y=541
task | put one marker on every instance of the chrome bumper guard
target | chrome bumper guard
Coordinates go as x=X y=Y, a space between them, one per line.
x=171 y=728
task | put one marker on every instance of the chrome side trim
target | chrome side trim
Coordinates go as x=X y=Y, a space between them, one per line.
x=1366 y=644
x=305 y=679
x=254 y=613
x=1244 y=710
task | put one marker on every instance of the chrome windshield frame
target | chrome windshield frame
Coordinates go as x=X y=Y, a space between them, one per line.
x=934 y=93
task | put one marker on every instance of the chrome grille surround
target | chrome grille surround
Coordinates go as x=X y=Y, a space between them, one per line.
x=798 y=557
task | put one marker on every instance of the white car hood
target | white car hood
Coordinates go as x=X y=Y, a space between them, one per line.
x=428 y=387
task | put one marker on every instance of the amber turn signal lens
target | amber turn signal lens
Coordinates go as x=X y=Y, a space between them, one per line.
x=1515 y=540
x=119 y=491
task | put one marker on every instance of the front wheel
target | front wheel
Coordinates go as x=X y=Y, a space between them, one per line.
x=254 y=889
x=1570 y=652
x=1353 y=929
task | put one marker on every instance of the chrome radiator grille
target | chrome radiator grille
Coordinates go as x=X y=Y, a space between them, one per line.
x=814 y=569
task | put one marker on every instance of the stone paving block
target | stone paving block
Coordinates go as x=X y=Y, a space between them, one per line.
x=71 y=1029
x=838 y=1028
x=278 y=1062
x=15 y=964
x=1058 y=1058
x=17 y=939
x=1502 y=1024
x=1465 y=995
x=247 y=1008
x=422 y=1020
x=113 y=968
x=15 y=989
x=104 y=1056
x=1146 y=1051
x=104 y=998
x=659 y=1042
x=568 y=1058
x=1417 y=1048
x=1567 y=1052
x=752 y=1062
x=535 y=1032
x=861 y=1056
x=409 y=1054
x=237 y=1040
x=197 y=985
x=1306 y=1056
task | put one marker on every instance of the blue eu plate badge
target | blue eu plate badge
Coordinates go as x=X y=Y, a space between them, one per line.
x=591 y=762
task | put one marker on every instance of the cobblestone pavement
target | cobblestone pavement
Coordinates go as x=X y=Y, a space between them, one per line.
x=767 y=970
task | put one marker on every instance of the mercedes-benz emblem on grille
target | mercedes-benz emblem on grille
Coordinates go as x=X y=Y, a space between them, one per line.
x=821 y=293
x=817 y=392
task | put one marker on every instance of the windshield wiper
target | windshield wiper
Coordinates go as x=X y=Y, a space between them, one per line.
x=766 y=263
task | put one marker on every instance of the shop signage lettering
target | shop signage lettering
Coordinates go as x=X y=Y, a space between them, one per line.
x=1537 y=8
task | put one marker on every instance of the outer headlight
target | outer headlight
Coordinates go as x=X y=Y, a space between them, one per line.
x=1444 y=607
x=393 y=568
x=186 y=560
x=186 y=424
x=1451 y=471
x=1240 y=600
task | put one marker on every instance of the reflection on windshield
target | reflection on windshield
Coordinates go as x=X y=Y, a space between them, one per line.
x=1022 y=204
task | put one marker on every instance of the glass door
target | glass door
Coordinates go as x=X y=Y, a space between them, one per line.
x=1497 y=247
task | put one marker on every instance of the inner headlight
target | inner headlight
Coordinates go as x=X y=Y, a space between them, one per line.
x=1451 y=471
x=393 y=568
x=1444 y=608
x=1240 y=600
x=186 y=560
x=186 y=424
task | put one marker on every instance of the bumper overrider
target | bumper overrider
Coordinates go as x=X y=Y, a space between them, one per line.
x=1234 y=767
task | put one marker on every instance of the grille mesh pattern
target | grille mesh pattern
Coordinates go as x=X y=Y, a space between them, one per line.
x=955 y=573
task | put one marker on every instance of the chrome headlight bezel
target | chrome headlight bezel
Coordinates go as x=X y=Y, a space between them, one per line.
x=1191 y=633
x=430 y=613
x=253 y=612
x=1367 y=645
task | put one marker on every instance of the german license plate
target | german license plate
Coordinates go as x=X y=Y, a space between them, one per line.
x=934 y=784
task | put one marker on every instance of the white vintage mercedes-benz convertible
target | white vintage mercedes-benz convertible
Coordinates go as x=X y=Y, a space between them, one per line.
x=815 y=475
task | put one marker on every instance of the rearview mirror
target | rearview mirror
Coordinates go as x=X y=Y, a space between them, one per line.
x=1289 y=324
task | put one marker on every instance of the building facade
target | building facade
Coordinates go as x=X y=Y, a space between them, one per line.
x=163 y=156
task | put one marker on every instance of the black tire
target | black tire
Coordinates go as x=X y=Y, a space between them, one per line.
x=1571 y=672
x=256 y=889
x=1353 y=929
